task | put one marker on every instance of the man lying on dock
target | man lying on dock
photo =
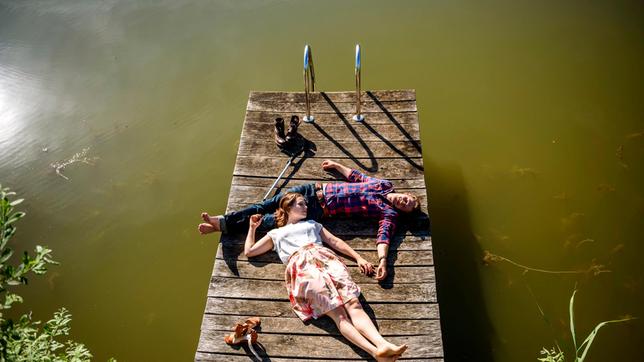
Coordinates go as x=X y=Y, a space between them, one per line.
x=362 y=196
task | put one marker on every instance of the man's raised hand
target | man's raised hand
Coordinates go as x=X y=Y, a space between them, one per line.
x=328 y=165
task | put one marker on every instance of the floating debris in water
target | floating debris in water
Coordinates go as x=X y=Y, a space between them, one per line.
x=51 y=280
x=633 y=285
x=497 y=235
x=617 y=248
x=605 y=188
x=635 y=135
x=571 y=219
x=523 y=171
x=620 y=152
x=573 y=241
x=620 y=156
x=582 y=242
x=562 y=196
x=81 y=157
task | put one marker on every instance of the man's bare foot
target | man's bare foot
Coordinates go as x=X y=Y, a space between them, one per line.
x=211 y=224
x=205 y=228
x=391 y=350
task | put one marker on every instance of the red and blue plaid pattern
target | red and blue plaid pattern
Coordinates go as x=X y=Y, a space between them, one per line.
x=363 y=196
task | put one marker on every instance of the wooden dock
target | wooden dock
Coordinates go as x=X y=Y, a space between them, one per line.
x=386 y=145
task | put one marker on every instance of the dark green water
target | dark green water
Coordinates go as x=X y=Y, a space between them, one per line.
x=532 y=121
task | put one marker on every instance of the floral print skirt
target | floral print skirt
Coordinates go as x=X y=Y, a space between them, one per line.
x=317 y=282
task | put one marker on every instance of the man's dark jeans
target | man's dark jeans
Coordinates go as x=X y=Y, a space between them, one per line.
x=237 y=222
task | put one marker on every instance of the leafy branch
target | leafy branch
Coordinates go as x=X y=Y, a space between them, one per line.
x=23 y=339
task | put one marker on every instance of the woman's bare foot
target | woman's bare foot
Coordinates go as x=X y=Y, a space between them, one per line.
x=391 y=350
x=388 y=359
x=211 y=224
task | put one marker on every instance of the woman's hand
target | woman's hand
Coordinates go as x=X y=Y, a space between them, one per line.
x=365 y=267
x=255 y=221
x=381 y=271
x=329 y=165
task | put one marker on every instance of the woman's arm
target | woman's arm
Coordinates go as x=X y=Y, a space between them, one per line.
x=344 y=248
x=252 y=248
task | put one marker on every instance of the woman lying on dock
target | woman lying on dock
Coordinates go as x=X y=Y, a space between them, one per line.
x=317 y=281
x=361 y=196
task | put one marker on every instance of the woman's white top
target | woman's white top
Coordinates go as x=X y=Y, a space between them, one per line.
x=289 y=238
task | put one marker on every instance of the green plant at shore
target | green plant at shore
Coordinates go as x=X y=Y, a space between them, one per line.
x=556 y=355
x=25 y=339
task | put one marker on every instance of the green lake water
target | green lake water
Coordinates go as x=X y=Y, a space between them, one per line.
x=532 y=126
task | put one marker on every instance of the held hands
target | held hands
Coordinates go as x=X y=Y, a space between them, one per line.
x=255 y=221
x=381 y=271
x=365 y=267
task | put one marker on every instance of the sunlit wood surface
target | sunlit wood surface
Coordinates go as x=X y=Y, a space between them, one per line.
x=386 y=145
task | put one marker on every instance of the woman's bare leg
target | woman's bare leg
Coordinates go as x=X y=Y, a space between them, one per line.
x=342 y=321
x=364 y=325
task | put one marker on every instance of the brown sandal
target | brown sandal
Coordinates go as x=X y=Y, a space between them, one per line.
x=253 y=322
x=238 y=335
x=245 y=333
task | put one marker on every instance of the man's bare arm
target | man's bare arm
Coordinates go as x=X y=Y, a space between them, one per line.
x=329 y=165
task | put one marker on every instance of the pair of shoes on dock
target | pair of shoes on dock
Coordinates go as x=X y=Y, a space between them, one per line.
x=283 y=138
x=245 y=333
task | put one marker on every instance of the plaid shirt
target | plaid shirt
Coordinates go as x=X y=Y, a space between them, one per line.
x=363 y=196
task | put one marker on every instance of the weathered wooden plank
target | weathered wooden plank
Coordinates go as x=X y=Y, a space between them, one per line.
x=211 y=357
x=336 y=97
x=298 y=346
x=324 y=106
x=359 y=243
x=338 y=132
x=401 y=119
x=267 y=289
x=322 y=326
x=272 y=308
x=275 y=271
x=396 y=258
x=267 y=166
x=339 y=149
x=266 y=182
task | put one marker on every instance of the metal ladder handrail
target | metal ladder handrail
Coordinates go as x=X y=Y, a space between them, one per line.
x=358 y=117
x=309 y=81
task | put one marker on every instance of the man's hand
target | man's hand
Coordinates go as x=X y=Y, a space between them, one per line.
x=328 y=165
x=381 y=271
x=255 y=221
x=365 y=267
